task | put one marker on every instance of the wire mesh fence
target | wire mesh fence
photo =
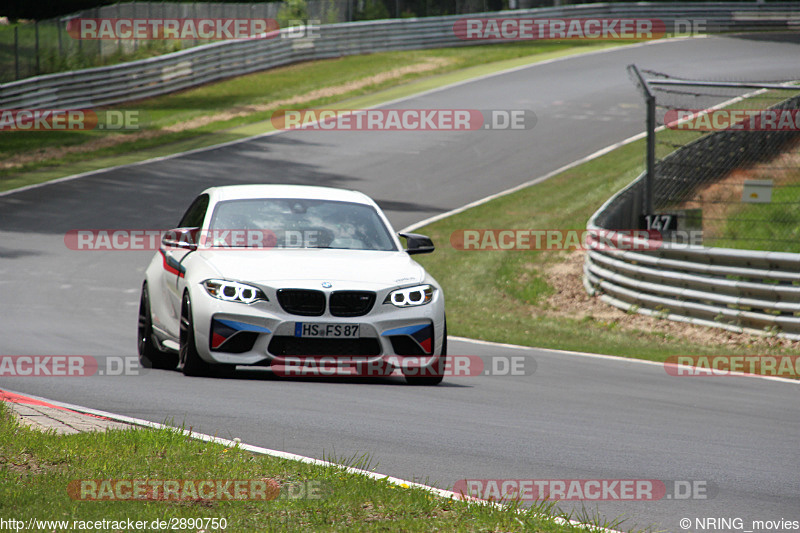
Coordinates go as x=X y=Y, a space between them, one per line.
x=728 y=169
x=30 y=48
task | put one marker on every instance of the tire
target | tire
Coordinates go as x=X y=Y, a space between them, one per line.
x=150 y=356
x=190 y=362
x=430 y=381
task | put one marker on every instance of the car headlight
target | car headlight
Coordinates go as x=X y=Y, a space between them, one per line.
x=233 y=291
x=410 y=296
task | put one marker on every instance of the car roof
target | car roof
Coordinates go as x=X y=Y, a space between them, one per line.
x=242 y=192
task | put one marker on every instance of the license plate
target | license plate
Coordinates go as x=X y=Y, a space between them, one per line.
x=326 y=331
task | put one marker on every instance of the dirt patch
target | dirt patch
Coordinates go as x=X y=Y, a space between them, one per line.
x=26 y=464
x=325 y=92
x=45 y=154
x=571 y=300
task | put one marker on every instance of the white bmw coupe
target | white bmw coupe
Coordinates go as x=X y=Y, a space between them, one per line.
x=271 y=274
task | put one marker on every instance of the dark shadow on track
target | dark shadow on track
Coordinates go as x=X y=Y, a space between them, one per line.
x=154 y=195
x=265 y=374
x=6 y=253
x=394 y=205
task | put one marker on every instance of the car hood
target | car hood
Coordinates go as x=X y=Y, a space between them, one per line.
x=299 y=267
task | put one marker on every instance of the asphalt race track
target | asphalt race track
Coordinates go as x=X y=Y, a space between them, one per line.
x=575 y=417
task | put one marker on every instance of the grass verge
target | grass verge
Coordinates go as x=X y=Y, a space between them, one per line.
x=36 y=470
x=241 y=107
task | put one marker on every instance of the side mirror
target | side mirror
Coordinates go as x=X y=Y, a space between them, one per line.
x=417 y=244
x=185 y=238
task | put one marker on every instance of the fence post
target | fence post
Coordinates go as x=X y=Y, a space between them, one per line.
x=650 y=100
x=99 y=41
x=36 y=46
x=194 y=16
x=60 y=44
x=651 y=154
x=16 y=51
x=135 y=41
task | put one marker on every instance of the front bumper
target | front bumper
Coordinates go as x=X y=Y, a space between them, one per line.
x=262 y=333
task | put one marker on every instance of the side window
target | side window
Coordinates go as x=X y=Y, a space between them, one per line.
x=193 y=218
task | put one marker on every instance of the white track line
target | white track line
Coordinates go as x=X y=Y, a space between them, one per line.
x=525 y=185
x=616 y=358
x=295 y=457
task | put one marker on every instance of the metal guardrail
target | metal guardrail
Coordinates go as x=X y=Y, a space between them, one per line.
x=739 y=290
x=103 y=86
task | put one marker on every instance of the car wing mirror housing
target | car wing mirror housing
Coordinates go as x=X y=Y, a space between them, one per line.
x=418 y=244
x=185 y=238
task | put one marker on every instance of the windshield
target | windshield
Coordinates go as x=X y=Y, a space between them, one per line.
x=298 y=223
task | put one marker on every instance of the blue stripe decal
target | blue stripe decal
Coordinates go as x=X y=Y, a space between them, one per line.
x=407 y=330
x=242 y=326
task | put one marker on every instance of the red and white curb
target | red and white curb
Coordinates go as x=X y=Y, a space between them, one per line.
x=42 y=415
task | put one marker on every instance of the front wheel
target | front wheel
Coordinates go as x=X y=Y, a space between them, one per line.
x=190 y=362
x=433 y=380
x=149 y=354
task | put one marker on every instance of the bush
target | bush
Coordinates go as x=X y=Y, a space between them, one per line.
x=372 y=10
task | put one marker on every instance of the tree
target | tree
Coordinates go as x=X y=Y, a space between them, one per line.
x=46 y=9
